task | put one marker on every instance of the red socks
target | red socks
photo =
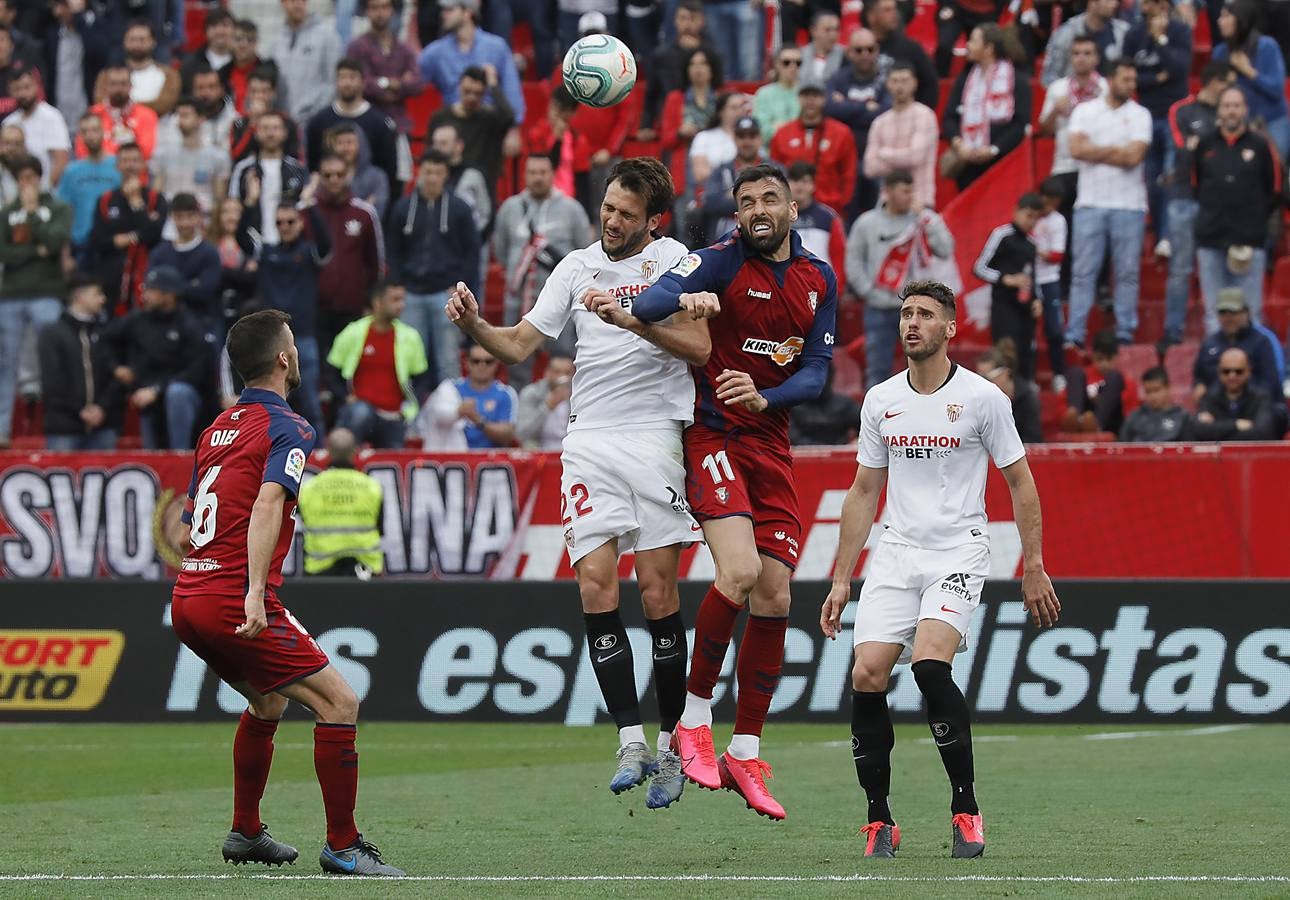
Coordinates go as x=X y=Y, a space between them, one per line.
x=761 y=658
x=713 y=628
x=336 y=763
x=252 y=756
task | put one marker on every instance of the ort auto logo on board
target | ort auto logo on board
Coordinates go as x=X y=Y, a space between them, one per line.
x=57 y=670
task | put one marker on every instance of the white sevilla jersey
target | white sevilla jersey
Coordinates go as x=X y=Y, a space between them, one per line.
x=935 y=448
x=620 y=379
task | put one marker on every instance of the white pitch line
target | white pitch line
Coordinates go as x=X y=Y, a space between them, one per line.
x=1185 y=732
x=566 y=879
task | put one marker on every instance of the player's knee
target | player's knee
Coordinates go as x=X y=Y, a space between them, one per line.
x=270 y=707
x=659 y=599
x=597 y=597
x=868 y=679
x=740 y=578
x=343 y=706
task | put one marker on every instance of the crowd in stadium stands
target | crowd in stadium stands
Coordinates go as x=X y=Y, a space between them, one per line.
x=167 y=166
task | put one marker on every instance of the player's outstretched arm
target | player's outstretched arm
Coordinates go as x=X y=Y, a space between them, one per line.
x=858 y=511
x=261 y=539
x=511 y=345
x=1036 y=587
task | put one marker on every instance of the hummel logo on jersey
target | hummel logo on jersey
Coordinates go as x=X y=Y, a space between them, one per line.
x=892 y=415
x=782 y=352
x=760 y=295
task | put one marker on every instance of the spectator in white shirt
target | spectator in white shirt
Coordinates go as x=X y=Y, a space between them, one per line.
x=1109 y=139
x=43 y=128
x=1064 y=95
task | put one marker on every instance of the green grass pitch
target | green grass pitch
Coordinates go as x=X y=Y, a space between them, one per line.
x=1193 y=805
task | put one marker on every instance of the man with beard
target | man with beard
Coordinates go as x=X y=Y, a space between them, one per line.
x=261 y=97
x=739 y=468
x=43 y=128
x=127 y=224
x=190 y=164
x=234 y=534
x=379 y=132
x=151 y=84
x=124 y=121
x=271 y=175
x=213 y=105
x=630 y=389
x=216 y=53
x=927 y=434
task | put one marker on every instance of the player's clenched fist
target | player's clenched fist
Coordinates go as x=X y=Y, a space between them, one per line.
x=831 y=611
x=703 y=305
x=462 y=308
x=737 y=387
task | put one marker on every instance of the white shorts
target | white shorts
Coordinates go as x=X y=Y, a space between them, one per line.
x=906 y=584
x=628 y=485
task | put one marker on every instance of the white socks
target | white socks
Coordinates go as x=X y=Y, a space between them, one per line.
x=745 y=746
x=664 y=741
x=698 y=711
x=632 y=734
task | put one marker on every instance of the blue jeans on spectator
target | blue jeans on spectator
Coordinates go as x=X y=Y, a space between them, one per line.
x=1182 y=238
x=442 y=340
x=16 y=316
x=1050 y=295
x=179 y=404
x=1095 y=228
x=384 y=431
x=737 y=30
x=100 y=439
x=1211 y=267
x=567 y=29
x=1157 y=158
x=305 y=398
x=881 y=333
x=502 y=16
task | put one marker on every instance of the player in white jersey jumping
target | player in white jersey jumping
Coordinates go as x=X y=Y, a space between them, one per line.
x=632 y=396
x=928 y=433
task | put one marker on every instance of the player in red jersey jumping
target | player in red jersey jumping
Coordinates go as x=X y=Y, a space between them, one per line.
x=225 y=605
x=771 y=307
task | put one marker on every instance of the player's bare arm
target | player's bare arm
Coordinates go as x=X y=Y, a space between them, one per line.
x=511 y=345
x=683 y=337
x=261 y=538
x=858 y=511
x=738 y=388
x=1036 y=587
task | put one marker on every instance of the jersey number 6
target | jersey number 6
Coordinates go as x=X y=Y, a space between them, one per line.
x=205 y=505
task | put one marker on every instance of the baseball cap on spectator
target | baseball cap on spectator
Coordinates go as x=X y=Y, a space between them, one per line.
x=472 y=5
x=747 y=125
x=165 y=279
x=810 y=89
x=593 y=22
x=1231 y=300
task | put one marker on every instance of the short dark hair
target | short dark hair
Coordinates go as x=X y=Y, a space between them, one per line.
x=247 y=26
x=24 y=72
x=1123 y=64
x=1156 y=373
x=187 y=100
x=1085 y=39
x=1105 y=343
x=934 y=290
x=446 y=124
x=28 y=163
x=202 y=67
x=264 y=73
x=140 y=23
x=349 y=64
x=434 y=156
x=379 y=287
x=692 y=6
x=1215 y=70
x=129 y=147
x=79 y=281
x=903 y=65
x=759 y=172
x=821 y=13
x=801 y=169
x=563 y=99
x=218 y=16
x=341 y=128
x=275 y=113
x=185 y=202
x=1030 y=200
x=897 y=176
x=474 y=73
x=1052 y=186
x=254 y=343
x=649 y=179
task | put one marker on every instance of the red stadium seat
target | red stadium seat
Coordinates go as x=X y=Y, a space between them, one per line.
x=1085 y=437
x=1137 y=358
x=420 y=108
x=1179 y=360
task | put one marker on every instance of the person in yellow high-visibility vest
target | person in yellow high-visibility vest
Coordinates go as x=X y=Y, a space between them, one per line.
x=341 y=511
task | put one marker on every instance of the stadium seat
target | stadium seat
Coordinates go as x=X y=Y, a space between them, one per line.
x=1179 y=360
x=1137 y=358
x=420 y=108
x=848 y=377
x=1085 y=437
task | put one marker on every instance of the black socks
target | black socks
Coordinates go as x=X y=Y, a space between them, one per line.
x=872 y=738
x=947 y=715
x=668 y=644
x=611 y=659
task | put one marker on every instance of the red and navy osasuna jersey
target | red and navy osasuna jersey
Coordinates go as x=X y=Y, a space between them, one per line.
x=777 y=324
x=257 y=441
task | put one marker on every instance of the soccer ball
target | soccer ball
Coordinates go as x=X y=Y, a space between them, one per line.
x=599 y=70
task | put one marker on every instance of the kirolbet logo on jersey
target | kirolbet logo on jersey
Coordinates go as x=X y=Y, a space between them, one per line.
x=782 y=352
x=57 y=670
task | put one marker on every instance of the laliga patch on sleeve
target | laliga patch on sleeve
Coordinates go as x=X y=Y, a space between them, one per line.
x=688 y=265
x=295 y=466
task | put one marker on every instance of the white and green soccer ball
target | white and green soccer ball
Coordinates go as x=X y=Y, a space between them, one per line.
x=599 y=70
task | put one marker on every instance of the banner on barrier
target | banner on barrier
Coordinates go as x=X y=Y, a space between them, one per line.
x=1124 y=652
x=1110 y=511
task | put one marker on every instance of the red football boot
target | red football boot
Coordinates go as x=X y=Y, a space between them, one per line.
x=698 y=756
x=969 y=836
x=747 y=778
x=883 y=840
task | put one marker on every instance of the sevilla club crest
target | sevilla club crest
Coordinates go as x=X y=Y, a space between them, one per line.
x=649 y=270
x=953 y=411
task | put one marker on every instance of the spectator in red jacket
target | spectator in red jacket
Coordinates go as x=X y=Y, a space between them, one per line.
x=1099 y=397
x=124 y=122
x=825 y=143
x=358 y=250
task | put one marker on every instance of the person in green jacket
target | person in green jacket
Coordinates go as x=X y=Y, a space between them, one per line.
x=341 y=511
x=34 y=228
x=379 y=371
